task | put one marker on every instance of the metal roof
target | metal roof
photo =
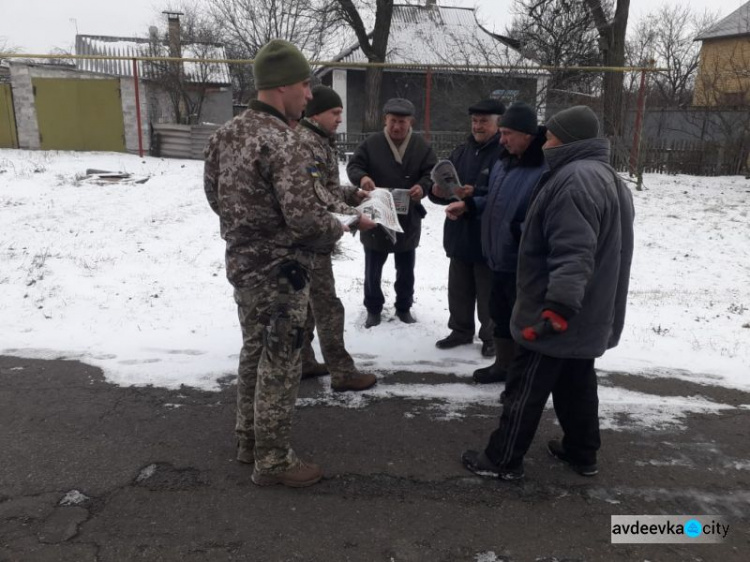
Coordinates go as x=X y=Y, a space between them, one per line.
x=428 y=35
x=212 y=73
x=735 y=24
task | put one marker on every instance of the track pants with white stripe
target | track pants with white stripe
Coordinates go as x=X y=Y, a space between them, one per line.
x=532 y=377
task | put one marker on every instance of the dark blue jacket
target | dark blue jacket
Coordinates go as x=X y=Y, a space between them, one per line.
x=462 y=238
x=503 y=209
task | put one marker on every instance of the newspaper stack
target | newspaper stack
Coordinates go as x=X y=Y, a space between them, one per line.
x=381 y=208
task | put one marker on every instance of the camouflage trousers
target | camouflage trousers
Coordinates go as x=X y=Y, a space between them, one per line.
x=328 y=316
x=272 y=317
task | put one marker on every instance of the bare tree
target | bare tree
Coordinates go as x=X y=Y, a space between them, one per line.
x=558 y=33
x=60 y=52
x=612 y=30
x=247 y=25
x=667 y=37
x=186 y=84
x=250 y=24
x=375 y=47
x=6 y=47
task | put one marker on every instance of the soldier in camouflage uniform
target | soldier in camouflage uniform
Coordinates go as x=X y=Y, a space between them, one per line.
x=316 y=131
x=259 y=180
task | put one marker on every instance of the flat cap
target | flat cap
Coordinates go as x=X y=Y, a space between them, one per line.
x=399 y=106
x=487 y=107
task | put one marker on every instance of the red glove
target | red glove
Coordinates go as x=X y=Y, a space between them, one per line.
x=551 y=323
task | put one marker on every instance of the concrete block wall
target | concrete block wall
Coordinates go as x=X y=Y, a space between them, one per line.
x=129 y=114
x=25 y=109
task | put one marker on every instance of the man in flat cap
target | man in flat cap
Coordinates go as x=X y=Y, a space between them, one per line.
x=317 y=132
x=502 y=212
x=259 y=180
x=469 y=277
x=395 y=158
x=573 y=275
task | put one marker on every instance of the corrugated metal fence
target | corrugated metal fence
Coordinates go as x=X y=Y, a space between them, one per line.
x=181 y=141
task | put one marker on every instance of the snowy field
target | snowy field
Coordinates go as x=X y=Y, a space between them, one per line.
x=130 y=278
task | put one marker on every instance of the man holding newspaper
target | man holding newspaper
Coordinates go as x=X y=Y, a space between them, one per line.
x=401 y=161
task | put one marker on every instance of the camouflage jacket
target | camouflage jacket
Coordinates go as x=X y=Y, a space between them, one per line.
x=260 y=181
x=335 y=197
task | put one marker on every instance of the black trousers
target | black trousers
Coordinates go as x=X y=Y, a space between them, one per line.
x=374 y=262
x=502 y=299
x=469 y=283
x=531 y=378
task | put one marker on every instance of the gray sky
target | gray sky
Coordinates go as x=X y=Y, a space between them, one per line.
x=38 y=26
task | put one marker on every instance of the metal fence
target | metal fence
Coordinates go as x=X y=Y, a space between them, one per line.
x=188 y=141
x=700 y=158
x=180 y=141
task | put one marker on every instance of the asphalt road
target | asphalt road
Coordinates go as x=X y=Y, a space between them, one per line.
x=92 y=471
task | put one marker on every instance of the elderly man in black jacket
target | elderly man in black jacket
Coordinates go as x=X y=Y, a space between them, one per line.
x=573 y=275
x=502 y=211
x=469 y=277
x=396 y=159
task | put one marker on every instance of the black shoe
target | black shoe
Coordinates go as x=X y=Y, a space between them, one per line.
x=488 y=348
x=373 y=319
x=454 y=340
x=557 y=450
x=488 y=375
x=479 y=464
x=405 y=317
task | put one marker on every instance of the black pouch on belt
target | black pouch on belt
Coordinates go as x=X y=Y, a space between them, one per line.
x=297 y=275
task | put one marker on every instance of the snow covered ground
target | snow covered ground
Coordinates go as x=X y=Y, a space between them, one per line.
x=131 y=278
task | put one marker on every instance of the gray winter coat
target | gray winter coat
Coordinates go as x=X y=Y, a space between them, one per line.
x=575 y=252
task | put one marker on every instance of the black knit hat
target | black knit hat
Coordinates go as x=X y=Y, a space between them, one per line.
x=573 y=124
x=399 y=106
x=279 y=63
x=487 y=107
x=520 y=117
x=323 y=99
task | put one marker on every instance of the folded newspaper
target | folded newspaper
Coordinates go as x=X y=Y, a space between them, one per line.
x=381 y=208
x=446 y=180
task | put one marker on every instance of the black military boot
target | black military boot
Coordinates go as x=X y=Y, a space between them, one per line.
x=505 y=349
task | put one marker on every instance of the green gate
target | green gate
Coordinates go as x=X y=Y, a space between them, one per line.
x=8 y=135
x=79 y=114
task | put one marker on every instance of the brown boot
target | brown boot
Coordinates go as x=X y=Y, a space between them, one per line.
x=505 y=349
x=310 y=366
x=301 y=475
x=246 y=451
x=312 y=370
x=355 y=382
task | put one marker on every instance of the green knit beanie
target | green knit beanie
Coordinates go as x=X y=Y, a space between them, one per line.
x=573 y=124
x=323 y=99
x=279 y=63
